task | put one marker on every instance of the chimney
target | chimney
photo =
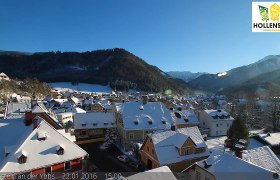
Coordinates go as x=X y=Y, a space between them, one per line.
x=145 y=99
x=28 y=118
x=173 y=128
x=238 y=153
x=35 y=122
x=33 y=102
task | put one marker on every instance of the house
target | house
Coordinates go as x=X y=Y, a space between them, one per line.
x=175 y=149
x=38 y=148
x=16 y=110
x=101 y=106
x=218 y=121
x=75 y=110
x=222 y=165
x=93 y=125
x=21 y=99
x=3 y=76
x=184 y=118
x=137 y=119
x=65 y=118
x=39 y=109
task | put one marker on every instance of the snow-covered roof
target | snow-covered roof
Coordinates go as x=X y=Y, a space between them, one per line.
x=222 y=164
x=2 y=74
x=151 y=116
x=219 y=114
x=75 y=100
x=162 y=173
x=187 y=117
x=39 y=153
x=272 y=139
x=18 y=107
x=167 y=142
x=68 y=135
x=94 y=120
x=263 y=157
x=75 y=110
x=60 y=100
x=11 y=131
x=40 y=108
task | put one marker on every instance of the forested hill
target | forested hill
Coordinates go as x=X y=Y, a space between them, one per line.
x=117 y=67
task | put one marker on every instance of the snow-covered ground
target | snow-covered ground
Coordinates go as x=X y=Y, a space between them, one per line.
x=83 y=87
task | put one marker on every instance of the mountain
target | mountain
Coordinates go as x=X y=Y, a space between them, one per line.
x=185 y=75
x=117 y=67
x=266 y=84
x=236 y=76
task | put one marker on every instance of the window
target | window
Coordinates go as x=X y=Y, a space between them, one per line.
x=131 y=136
x=227 y=124
x=48 y=169
x=22 y=159
x=153 y=151
x=187 y=151
x=83 y=133
x=217 y=132
x=217 y=125
x=204 y=123
x=67 y=166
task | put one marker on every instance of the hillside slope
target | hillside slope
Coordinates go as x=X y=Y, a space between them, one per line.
x=117 y=67
x=236 y=76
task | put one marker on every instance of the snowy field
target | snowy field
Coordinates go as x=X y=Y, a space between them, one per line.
x=83 y=87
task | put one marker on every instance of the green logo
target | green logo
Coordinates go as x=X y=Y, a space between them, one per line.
x=264 y=13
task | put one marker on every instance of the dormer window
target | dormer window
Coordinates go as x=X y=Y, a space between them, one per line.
x=42 y=136
x=186 y=119
x=163 y=121
x=7 y=150
x=84 y=124
x=112 y=123
x=22 y=157
x=178 y=115
x=59 y=150
x=150 y=122
x=94 y=124
x=141 y=107
x=106 y=124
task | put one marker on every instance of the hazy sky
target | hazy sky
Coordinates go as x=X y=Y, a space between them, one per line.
x=208 y=36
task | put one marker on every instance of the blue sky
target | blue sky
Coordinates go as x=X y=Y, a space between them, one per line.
x=206 y=36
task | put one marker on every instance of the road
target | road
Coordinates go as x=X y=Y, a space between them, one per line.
x=104 y=160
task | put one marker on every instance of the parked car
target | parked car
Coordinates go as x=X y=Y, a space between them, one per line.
x=123 y=158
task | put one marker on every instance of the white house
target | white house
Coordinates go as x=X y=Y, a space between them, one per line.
x=93 y=125
x=37 y=149
x=136 y=119
x=218 y=121
x=65 y=117
x=184 y=118
x=3 y=76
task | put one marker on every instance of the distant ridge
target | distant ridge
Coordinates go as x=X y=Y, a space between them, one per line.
x=117 y=67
